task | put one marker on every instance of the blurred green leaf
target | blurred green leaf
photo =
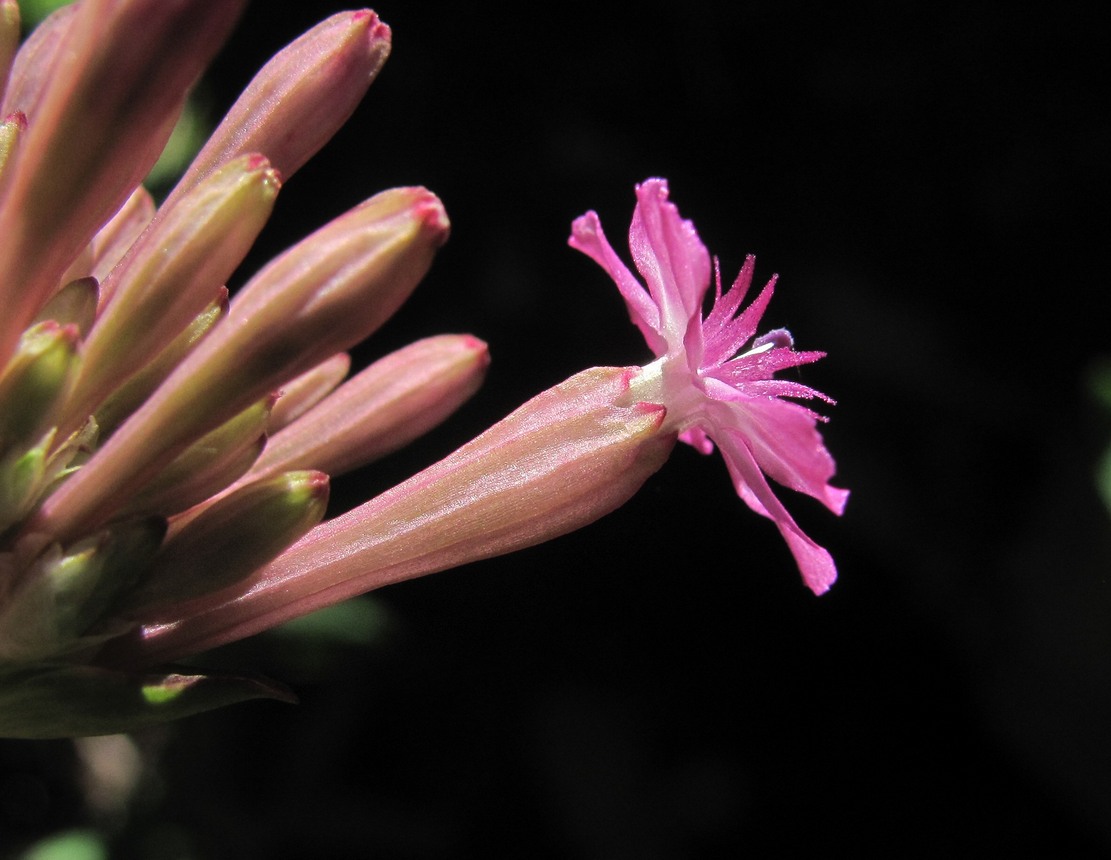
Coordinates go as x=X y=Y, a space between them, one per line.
x=70 y=845
x=33 y=11
x=360 y=622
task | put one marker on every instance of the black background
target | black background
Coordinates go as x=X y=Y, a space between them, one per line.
x=929 y=181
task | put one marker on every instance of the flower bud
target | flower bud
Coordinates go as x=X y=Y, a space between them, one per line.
x=300 y=98
x=206 y=466
x=35 y=380
x=320 y=297
x=171 y=272
x=22 y=478
x=112 y=411
x=561 y=461
x=229 y=541
x=302 y=393
x=386 y=406
x=65 y=592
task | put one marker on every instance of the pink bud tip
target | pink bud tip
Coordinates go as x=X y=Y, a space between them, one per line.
x=377 y=29
x=19 y=118
x=479 y=347
x=256 y=162
x=317 y=483
x=430 y=212
x=68 y=332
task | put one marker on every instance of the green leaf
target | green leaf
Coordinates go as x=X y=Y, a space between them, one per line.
x=71 y=845
x=54 y=701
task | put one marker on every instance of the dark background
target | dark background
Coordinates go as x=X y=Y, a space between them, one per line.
x=929 y=181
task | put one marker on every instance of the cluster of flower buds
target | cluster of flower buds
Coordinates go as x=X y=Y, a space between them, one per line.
x=165 y=452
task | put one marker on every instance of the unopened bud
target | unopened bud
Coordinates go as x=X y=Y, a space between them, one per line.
x=320 y=297
x=171 y=272
x=22 y=477
x=300 y=98
x=74 y=304
x=302 y=393
x=229 y=541
x=127 y=398
x=208 y=465
x=119 y=78
x=35 y=380
x=383 y=408
x=65 y=592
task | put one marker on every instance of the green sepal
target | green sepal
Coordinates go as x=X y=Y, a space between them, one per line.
x=36 y=380
x=56 y=701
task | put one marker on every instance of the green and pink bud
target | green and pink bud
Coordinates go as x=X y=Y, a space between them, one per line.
x=171 y=272
x=322 y=296
x=383 y=408
x=229 y=542
x=35 y=381
x=303 y=392
x=299 y=99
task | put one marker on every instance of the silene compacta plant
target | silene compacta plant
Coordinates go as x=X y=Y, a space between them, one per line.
x=165 y=452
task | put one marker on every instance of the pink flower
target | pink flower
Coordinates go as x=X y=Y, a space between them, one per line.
x=715 y=392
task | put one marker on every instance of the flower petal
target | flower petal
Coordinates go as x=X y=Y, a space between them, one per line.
x=674 y=262
x=815 y=563
x=587 y=236
x=731 y=334
x=782 y=437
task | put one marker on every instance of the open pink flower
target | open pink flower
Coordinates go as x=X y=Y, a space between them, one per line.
x=713 y=391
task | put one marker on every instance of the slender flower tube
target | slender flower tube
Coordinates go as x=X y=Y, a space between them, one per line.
x=383 y=408
x=157 y=295
x=561 y=461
